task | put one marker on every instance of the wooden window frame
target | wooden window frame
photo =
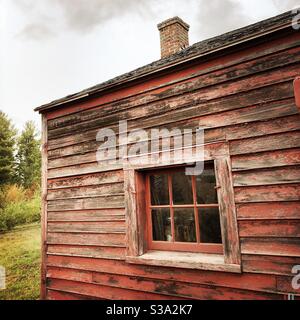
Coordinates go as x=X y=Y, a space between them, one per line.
x=137 y=248
x=177 y=246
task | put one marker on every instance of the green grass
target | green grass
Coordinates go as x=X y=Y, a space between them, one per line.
x=20 y=255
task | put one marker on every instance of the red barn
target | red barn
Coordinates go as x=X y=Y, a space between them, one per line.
x=120 y=229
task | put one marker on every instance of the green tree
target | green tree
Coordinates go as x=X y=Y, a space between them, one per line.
x=28 y=158
x=7 y=148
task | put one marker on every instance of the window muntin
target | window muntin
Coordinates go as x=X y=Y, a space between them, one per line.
x=183 y=211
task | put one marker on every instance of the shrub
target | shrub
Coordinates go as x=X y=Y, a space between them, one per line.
x=14 y=193
x=20 y=212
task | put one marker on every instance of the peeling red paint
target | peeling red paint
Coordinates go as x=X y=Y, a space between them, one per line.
x=297 y=91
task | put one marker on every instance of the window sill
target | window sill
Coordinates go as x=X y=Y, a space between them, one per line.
x=184 y=260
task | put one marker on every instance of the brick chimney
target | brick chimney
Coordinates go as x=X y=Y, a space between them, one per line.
x=174 y=36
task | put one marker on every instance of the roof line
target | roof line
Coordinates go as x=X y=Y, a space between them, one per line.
x=227 y=40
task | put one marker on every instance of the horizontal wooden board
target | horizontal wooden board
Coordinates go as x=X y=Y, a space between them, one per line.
x=87 y=180
x=269 y=264
x=87 y=203
x=113 y=253
x=274 y=247
x=267 y=193
x=81 y=169
x=285 y=285
x=86 y=192
x=267 y=177
x=268 y=211
x=87 y=227
x=270 y=228
x=88 y=215
x=262 y=127
x=270 y=159
x=106 y=240
x=267 y=143
x=65 y=296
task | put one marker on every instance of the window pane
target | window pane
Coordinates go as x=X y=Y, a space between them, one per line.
x=161 y=222
x=206 y=183
x=159 y=189
x=210 y=229
x=182 y=188
x=185 y=230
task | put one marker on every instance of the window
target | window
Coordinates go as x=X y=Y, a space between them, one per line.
x=183 y=221
x=183 y=211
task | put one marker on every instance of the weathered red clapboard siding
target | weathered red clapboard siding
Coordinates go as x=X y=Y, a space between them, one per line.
x=250 y=281
x=269 y=211
x=114 y=253
x=217 y=126
x=245 y=97
x=161 y=287
x=286 y=247
x=277 y=265
x=87 y=215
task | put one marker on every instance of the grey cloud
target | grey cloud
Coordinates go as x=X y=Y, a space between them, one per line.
x=284 y=5
x=82 y=15
x=216 y=17
x=75 y=15
x=36 y=32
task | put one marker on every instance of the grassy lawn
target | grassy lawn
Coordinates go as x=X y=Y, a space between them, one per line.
x=20 y=255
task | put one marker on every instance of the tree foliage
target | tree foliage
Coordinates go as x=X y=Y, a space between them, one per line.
x=28 y=157
x=7 y=148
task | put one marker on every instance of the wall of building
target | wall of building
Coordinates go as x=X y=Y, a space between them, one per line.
x=245 y=97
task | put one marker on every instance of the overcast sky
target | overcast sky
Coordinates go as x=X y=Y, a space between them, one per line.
x=52 y=48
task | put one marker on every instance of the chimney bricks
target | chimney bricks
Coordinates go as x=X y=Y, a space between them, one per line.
x=174 y=36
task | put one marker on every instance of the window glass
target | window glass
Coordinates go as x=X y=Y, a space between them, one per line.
x=161 y=222
x=206 y=186
x=182 y=188
x=184 y=223
x=159 y=189
x=209 y=221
